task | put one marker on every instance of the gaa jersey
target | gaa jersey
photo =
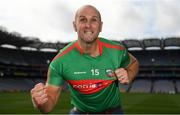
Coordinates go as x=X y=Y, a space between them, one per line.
x=91 y=80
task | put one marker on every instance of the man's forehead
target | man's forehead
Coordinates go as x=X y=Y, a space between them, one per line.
x=85 y=10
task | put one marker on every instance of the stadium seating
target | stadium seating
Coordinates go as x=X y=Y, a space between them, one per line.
x=141 y=85
x=159 y=67
x=163 y=86
x=18 y=84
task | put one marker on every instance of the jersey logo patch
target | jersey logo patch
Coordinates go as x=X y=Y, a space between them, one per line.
x=110 y=73
x=89 y=86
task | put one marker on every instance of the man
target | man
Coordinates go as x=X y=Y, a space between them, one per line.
x=91 y=66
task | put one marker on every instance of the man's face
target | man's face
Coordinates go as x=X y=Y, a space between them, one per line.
x=87 y=24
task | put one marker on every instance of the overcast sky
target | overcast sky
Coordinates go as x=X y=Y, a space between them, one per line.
x=51 y=20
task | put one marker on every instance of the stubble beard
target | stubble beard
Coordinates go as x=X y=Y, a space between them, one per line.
x=89 y=41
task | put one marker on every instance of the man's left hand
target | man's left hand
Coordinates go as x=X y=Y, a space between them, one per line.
x=122 y=75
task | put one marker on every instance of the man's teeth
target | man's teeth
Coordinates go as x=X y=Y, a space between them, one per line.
x=88 y=32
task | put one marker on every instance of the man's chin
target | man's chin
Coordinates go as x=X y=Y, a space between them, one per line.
x=90 y=41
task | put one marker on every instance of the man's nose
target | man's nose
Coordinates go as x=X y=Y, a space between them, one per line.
x=88 y=24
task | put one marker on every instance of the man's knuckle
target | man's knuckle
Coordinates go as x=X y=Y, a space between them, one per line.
x=32 y=91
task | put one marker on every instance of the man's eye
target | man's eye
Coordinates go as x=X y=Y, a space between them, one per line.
x=82 y=20
x=94 y=20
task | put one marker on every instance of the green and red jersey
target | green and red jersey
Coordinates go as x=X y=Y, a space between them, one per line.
x=91 y=80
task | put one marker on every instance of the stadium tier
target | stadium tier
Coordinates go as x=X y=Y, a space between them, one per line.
x=159 y=64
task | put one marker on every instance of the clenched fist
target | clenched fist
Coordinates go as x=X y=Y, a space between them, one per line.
x=122 y=75
x=39 y=95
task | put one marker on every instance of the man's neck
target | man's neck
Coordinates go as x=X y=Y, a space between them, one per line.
x=90 y=48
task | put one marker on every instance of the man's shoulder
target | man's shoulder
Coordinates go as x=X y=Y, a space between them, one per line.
x=112 y=44
x=67 y=46
x=64 y=51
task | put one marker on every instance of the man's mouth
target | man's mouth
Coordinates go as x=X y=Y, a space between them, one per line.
x=88 y=32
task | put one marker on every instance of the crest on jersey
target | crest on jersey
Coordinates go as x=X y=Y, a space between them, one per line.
x=110 y=73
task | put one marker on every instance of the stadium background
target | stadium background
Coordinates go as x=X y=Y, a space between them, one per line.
x=24 y=62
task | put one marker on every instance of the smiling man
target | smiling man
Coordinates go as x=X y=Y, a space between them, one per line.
x=92 y=66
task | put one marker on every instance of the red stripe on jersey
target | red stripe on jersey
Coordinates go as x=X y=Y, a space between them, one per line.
x=110 y=45
x=89 y=86
x=79 y=48
x=65 y=51
x=100 y=47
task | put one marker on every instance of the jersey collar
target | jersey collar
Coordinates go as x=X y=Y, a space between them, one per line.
x=81 y=50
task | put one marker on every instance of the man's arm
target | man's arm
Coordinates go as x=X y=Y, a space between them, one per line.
x=127 y=75
x=133 y=68
x=44 y=97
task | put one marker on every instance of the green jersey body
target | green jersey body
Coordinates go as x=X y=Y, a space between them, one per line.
x=91 y=80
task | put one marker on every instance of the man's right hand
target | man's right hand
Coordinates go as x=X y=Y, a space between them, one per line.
x=39 y=95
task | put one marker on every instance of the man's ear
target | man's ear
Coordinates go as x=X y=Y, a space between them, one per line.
x=74 y=25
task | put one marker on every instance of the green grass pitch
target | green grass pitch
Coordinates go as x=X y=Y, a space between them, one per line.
x=20 y=103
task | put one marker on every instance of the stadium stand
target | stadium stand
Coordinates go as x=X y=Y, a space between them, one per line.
x=159 y=61
x=141 y=85
x=16 y=84
x=163 y=86
x=159 y=64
